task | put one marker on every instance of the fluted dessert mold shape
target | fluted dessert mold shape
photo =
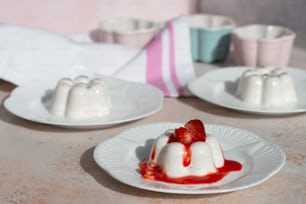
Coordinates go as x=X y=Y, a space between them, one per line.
x=267 y=86
x=206 y=157
x=81 y=98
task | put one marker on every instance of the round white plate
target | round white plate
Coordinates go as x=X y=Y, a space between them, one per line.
x=120 y=156
x=219 y=87
x=130 y=101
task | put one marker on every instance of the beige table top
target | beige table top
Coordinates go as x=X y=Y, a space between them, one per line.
x=45 y=164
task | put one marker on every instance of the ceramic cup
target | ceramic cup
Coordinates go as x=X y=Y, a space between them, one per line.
x=127 y=31
x=210 y=37
x=262 y=45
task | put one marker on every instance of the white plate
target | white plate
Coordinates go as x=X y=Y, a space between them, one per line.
x=218 y=87
x=120 y=156
x=130 y=100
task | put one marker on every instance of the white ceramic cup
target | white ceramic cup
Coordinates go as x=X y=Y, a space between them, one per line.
x=127 y=31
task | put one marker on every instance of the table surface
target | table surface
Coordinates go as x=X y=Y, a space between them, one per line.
x=46 y=164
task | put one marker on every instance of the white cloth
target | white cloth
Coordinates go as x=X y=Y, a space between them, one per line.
x=28 y=54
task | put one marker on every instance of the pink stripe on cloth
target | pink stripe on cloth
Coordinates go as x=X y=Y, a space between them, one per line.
x=172 y=62
x=154 y=74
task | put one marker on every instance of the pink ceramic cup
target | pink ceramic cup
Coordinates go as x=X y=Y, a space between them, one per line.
x=127 y=31
x=262 y=45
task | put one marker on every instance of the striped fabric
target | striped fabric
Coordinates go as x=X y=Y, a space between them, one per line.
x=169 y=66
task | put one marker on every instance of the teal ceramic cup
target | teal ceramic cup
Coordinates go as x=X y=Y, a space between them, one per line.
x=210 y=37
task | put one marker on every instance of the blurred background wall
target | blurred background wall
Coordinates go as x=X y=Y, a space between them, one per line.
x=290 y=13
x=71 y=16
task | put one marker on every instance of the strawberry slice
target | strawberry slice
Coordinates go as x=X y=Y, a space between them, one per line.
x=198 y=130
x=183 y=135
x=193 y=131
x=147 y=170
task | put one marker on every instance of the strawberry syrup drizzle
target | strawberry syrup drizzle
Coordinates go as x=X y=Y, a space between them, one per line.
x=187 y=156
x=157 y=174
x=153 y=153
x=187 y=151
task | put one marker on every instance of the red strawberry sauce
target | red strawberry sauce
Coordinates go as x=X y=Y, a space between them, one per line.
x=156 y=173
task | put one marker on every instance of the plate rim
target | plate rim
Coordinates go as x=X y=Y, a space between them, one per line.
x=7 y=103
x=281 y=161
x=239 y=108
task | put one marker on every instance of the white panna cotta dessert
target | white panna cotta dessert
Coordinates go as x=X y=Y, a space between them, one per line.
x=187 y=155
x=81 y=98
x=205 y=158
x=266 y=86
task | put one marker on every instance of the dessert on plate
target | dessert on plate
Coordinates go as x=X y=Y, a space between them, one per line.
x=187 y=155
x=81 y=98
x=268 y=86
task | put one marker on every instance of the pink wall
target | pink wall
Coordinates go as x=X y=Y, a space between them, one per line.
x=71 y=16
x=289 y=13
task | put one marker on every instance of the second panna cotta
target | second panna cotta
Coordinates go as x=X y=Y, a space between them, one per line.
x=81 y=98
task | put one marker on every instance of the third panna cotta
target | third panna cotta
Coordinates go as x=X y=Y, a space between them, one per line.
x=266 y=86
x=187 y=155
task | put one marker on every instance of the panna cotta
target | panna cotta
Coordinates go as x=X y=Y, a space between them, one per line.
x=187 y=155
x=81 y=98
x=266 y=86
